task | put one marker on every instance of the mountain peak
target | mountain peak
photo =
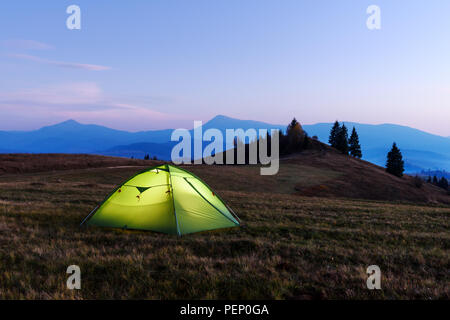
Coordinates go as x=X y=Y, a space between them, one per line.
x=68 y=124
x=222 y=117
x=70 y=121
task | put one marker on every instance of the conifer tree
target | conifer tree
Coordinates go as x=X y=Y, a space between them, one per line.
x=332 y=140
x=354 y=146
x=435 y=180
x=342 y=139
x=395 y=163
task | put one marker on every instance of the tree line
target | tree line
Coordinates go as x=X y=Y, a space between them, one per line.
x=339 y=140
x=441 y=183
x=147 y=157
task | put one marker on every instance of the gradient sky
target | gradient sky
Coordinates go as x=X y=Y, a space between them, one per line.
x=151 y=64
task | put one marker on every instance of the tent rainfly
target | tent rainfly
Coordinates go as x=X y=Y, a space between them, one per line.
x=165 y=199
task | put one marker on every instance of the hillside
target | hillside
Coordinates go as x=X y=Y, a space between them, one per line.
x=291 y=245
x=32 y=163
x=321 y=172
x=326 y=173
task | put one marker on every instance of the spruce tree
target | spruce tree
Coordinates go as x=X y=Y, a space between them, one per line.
x=342 y=140
x=435 y=180
x=354 y=146
x=332 y=140
x=395 y=163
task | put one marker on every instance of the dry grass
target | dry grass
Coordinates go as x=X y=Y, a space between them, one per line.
x=27 y=163
x=291 y=247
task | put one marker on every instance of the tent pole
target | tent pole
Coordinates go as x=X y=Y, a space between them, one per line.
x=109 y=195
x=203 y=197
x=232 y=212
x=88 y=216
x=173 y=201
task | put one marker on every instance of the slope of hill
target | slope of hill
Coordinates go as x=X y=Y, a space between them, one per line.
x=312 y=173
x=326 y=173
x=32 y=163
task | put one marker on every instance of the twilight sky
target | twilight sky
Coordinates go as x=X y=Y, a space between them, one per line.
x=152 y=64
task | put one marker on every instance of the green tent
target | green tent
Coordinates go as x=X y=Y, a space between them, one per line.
x=164 y=199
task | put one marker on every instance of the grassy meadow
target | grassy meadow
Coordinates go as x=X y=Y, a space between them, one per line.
x=290 y=247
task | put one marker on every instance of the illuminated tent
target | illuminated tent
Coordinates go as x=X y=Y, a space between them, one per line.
x=165 y=199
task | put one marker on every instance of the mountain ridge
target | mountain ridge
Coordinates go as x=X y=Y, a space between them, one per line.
x=217 y=118
x=421 y=150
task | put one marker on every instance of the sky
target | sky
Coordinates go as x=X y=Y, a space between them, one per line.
x=152 y=64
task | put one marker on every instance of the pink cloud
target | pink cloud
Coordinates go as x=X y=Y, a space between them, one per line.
x=26 y=45
x=91 y=67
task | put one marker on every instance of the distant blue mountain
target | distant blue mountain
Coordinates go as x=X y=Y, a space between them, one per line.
x=161 y=151
x=421 y=150
x=73 y=137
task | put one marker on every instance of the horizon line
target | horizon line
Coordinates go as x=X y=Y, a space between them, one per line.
x=228 y=117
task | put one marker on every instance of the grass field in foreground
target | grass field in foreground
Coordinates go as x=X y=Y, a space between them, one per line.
x=291 y=247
